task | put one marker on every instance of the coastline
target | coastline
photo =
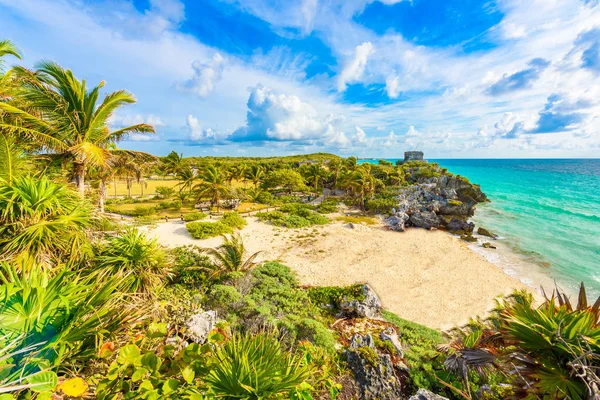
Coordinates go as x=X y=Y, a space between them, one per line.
x=429 y=277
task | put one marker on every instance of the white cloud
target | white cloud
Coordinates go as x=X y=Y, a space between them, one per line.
x=206 y=75
x=197 y=134
x=392 y=86
x=355 y=67
x=360 y=137
x=122 y=121
x=308 y=10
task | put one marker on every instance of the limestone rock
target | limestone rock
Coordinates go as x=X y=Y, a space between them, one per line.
x=457 y=224
x=369 y=307
x=488 y=245
x=199 y=325
x=374 y=372
x=484 y=232
x=397 y=222
x=424 y=219
x=390 y=335
x=424 y=394
x=468 y=238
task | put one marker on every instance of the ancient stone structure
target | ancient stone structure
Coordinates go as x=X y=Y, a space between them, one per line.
x=413 y=156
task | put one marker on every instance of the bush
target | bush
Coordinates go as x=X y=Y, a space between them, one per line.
x=190 y=264
x=204 y=230
x=141 y=211
x=194 y=216
x=327 y=207
x=382 y=205
x=265 y=198
x=299 y=216
x=233 y=220
x=164 y=191
x=173 y=205
x=317 y=333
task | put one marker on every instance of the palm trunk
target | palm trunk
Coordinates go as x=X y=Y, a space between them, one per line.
x=115 y=184
x=79 y=171
x=101 y=195
x=142 y=187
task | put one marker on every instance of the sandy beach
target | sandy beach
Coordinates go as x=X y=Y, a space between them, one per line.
x=429 y=277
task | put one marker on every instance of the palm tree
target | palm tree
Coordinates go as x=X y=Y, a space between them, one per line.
x=173 y=163
x=229 y=257
x=335 y=167
x=8 y=48
x=351 y=163
x=313 y=173
x=187 y=177
x=42 y=220
x=362 y=185
x=64 y=117
x=255 y=174
x=214 y=185
x=138 y=261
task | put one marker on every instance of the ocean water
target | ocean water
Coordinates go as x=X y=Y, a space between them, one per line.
x=546 y=210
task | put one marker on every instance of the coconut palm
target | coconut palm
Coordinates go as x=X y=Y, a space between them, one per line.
x=335 y=168
x=313 y=173
x=187 y=176
x=8 y=48
x=229 y=257
x=214 y=185
x=138 y=261
x=43 y=220
x=173 y=163
x=361 y=184
x=255 y=174
x=63 y=117
x=6 y=80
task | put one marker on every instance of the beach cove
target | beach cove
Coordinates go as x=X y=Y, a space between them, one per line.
x=429 y=277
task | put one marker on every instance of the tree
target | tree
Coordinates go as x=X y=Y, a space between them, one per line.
x=187 y=176
x=214 y=185
x=313 y=173
x=8 y=48
x=287 y=178
x=255 y=174
x=362 y=185
x=173 y=163
x=42 y=220
x=229 y=257
x=335 y=167
x=64 y=117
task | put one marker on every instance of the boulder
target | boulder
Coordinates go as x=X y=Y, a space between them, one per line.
x=456 y=224
x=198 y=326
x=390 y=335
x=424 y=394
x=397 y=222
x=484 y=232
x=457 y=207
x=374 y=372
x=368 y=307
x=488 y=245
x=424 y=219
x=468 y=238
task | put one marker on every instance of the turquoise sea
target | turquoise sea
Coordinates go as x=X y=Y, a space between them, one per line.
x=547 y=210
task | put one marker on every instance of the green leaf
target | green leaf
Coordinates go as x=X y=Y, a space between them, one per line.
x=151 y=361
x=146 y=385
x=43 y=381
x=129 y=354
x=188 y=374
x=6 y=396
x=139 y=374
x=157 y=329
x=170 y=386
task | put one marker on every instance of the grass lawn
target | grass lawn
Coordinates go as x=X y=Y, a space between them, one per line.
x=358 y=219
x=136 y=189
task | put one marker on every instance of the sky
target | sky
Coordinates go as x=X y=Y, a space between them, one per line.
x=370 y=78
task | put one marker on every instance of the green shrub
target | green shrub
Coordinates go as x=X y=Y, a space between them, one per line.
x=164 y=191
x=233 y=220
x=190 y=266
x=299 y=217
x=381 y=205
x=173 y=205
x=327 y=207
x=204 y=230
x=265 y=198
x=332 y=296
x=194 y=216
x=141 y=211
x=317 y=333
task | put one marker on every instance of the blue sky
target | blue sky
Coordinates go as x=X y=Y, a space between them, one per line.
x=372 y=78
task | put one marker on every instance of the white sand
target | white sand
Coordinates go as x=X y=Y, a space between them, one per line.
x=429 y=277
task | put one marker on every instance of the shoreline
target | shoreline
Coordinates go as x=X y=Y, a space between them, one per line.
x=428 y=277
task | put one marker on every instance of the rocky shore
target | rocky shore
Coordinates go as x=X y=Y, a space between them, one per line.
x=437 y=202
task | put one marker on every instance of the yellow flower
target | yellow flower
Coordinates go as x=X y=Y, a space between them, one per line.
x=74 y=387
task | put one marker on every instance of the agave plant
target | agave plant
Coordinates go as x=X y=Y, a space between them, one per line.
x=229 y=257
x=557 y=346
x=255 y=367
x=42 y=220
x=138 y=261
x=63 y=310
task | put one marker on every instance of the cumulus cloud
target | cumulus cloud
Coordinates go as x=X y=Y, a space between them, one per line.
x=509 y=126
x=561 y=113
x=206 y=75
x=519 y=80
x=122 y=121
x=197 y=134
x=354 y=69
x=392 y=86
x=392 y=139
x=416 y=140
x=275 y=116
x=360 y=137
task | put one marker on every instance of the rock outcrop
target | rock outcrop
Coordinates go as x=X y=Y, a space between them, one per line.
x=439 y=201
x=368 y=307
x=198 y=326
x=484 y=232
x=374 y=372
x=424 y=394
